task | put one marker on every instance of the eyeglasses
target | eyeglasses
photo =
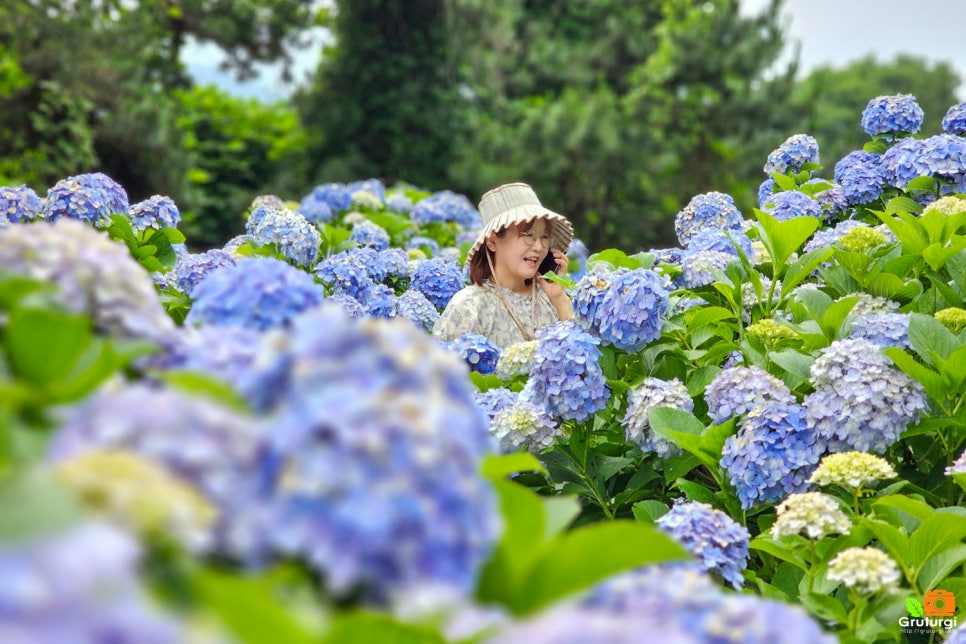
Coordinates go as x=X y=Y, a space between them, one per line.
x=529 y=239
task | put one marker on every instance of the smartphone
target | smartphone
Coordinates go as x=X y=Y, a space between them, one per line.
x=548 y=265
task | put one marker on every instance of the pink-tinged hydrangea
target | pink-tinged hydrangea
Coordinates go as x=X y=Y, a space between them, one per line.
x=377 y=445
x=154 y=212
x=860 y=401
x=259 y=293
x=372 y=235
x=288 y=232
x=882 y=329
x=892 y=114
x=446 y=206
x=796 y=151
x=566 y=377
x=415 y=307
x=19 y=204
x=955 y=120
x=737 y=390
x=715 y=540
x=523 y=425
x=790 y=204
x=772 y=454
x=651 y=393
x=192 y=268
x=708 y=210
x=93 y=275
x=479 y=353
x=437 y=279
x=91 y=198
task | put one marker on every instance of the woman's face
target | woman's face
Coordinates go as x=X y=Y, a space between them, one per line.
x=518 y=254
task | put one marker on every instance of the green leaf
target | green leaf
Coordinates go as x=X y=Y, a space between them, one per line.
x=496 y=467
x=895 y=542
x=903 y=204
x=931 y=381
x=775 y=549
x=935 y=569
x=927 y=334
x=786 y=237
x=45 y=345
x=614 y=257
x=795 y=363
x=909 y=505
x=935 y=534
x=914 y=607
x=375 y=627
x=825 y=607
x=649 y=511
x=202 y=384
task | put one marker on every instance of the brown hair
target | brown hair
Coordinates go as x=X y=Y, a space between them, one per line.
x=480 y=266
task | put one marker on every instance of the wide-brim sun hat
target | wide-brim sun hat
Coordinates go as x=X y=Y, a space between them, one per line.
x=517 y=203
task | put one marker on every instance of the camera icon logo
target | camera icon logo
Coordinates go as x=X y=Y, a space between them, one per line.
x=939 y=603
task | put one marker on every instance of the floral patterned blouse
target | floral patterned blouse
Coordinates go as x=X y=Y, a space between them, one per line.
x=479 y=310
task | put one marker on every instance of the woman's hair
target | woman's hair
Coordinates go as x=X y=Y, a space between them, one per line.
x=480 y=266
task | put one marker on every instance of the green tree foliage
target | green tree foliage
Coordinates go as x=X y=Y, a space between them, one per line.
x=832 y=99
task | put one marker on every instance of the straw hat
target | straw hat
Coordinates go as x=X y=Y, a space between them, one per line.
x=517 y=203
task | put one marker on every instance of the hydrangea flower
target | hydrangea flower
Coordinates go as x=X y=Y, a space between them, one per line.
x=493 y=401
x=415 y=307
x=719 y=240
x=868 y=570
x=796 y=151
x=372 y=414
x=955 y=120
x=872 y=304
x=945 y=158
x=770 y=331
x=516 y=360
x=892 y=114
x=336 y=196
x=860 y=174
x=91 y=198
x=589 y=293
x=232 y=245
x=289 y=232
x=19 y=204
x=772 y=454
x=346 y=273
x=478 y=352
x=949 y=205
x=399 y=203
x=349 y=304
x=381 y=302
x=953 y=318
x=699 y=267
x=765 y=190
x=708 y=210
x=420 y=242
x=437 y=279
x=851 y=470
x=667 y=255
x=226 y=353
x=713 y=538
x=738 y=390
x=93 y=275
x=446 y=206
x=651 y=393
x=192 y=268
x=154 y=212
x=790 y=204
x=829 y=236
x=904 y=162
x=566 y=376
x=373 y=186
x=366 y=233
x=79 y=585
x=860 y=402
x=315 y=209
x=268 y=202
x=832 y=198
x=958 y=466
x=632 y=310
x=259 y=293
x=523 y=425
x=882 y=329
x=811 y=514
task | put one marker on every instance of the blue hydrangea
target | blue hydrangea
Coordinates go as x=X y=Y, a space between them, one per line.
x=414 y=306
x=372 y=186
x=399 y=203
x=378 y=445
x=493 y=401
x=945 y=158
x=191 y=269
x=713 y=538
x=796 y=151
x=579 y=253
x=790 y=204
x=892 y=114
x=268 y=202
x=523 y=426
x=439 y=280
x=632 y=310
x=698 y=268
x=155 y=212
x=829 y=236
x=765 y=190
x=19 y=204
x=79 y=584
x=883 y=329
x=381 y=302
x=479 y=353
x=667 y=255
x=232 y=245
x=91 y=198
x=904 y=162
x=832 y=199
x=315 y=209
x=223 y=352
x=346 y=273
x=651 y=393
x=589 y=293
x=955 y=120
x=708 y=210
x=860 y=401
x=719 y=240
x=446 y=206
x=289 y=232
x=861 y=176
x=336 y=196
x=958 y=634
x=772 y=455
x=566 y=377
x=259 y=293
x=391 y=264
x=366 y=233
x=737 y=390
x=423 y=243
x=93 y=275
x=349 y=304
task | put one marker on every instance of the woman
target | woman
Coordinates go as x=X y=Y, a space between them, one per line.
x=520 y=241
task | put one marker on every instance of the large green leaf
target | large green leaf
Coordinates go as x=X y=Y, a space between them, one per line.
x=782 y=238
x=364 y=627
x=927 y=335
x=44 y=345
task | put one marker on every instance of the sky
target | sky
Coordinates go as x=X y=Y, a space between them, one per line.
x=827 y=32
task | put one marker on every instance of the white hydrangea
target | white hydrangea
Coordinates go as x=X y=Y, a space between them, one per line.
x=366 y=199
x=525 y=425
x=516 y=360
x=868 y=570
x=950 y=205
x=810 y=513
x=851 y=469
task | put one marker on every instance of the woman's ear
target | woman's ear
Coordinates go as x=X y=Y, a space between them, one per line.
x=490 y=243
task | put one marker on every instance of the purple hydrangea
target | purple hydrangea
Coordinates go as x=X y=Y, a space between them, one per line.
x=366 y=233
x=772 y=455
x=698 y=268
x=861 y=175
x=91 y=198
x=892 y=114
x=523 y=425
x=792 y=203
x=796 y=151
x=94 y=275
x=651 y=393
x=566 y=377
x=349 y=304
x=719 y=240
x=347 y=273
x=381 y=302
x=378 y=445
x=955 y=120
x=19 y=204
x=439 y=280
x=904 y=162
x=883 y=329
x=713 y=538
x=446 y=206
x=289 y=232
x=415 y=307
x=259 y=293
x=708 y=210
x=155 y=212
x=191 y=269
x=632 y=310
x=860 y=402
x=737 y=390
x=479 y=353
x=492 y=401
